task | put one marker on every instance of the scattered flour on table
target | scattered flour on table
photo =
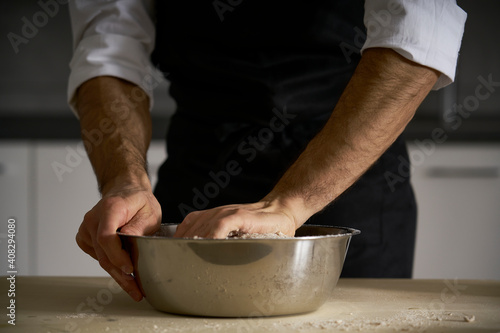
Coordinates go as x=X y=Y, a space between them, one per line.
x=405 y=321
x=411 y=320
x=82 y=315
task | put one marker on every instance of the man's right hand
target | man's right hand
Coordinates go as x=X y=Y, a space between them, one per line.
x=132 y=211
x=115 y=113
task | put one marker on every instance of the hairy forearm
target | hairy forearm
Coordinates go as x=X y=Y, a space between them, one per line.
x=116 y=127
x=377 y=104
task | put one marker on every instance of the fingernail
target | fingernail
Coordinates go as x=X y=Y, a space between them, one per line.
x=135 y=295
x=127 y=269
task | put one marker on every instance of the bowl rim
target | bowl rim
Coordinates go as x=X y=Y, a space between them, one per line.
x=348 y=233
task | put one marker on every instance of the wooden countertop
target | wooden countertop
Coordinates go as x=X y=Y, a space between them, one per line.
x=70 y=304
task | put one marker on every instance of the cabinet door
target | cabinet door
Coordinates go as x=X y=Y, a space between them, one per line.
x=65 y=190
x=458 y=195
x=156 y=156
x=15 y=193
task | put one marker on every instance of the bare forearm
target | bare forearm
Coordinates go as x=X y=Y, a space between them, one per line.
x=378 y=102
x=374 y=109
x=116 y=126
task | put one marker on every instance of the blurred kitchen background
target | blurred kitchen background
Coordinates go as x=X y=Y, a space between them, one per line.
x=456 y=178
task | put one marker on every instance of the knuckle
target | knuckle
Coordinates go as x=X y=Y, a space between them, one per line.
x=226 y=222
x=134 y=229
x=79 y=240
x=105 y=264
x=157 y=216
x=113 y=203
x=194 y=214
x=101 y=240
x=108 y=203
x=88 y=216
x=190 y=218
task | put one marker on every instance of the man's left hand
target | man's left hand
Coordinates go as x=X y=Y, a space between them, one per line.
x=259 y=217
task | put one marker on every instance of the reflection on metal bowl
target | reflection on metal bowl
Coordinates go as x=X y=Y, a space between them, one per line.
x=239 y=277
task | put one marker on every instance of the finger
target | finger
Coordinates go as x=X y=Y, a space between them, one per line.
x=212 y=223
x=145 y=222
x=224 y=226
x=126 y=281
x=199 y=229
x=113 y=217
x=84 y=242
x=183 y=228
x=86 y=248
x=222 y=221
x=198 y=224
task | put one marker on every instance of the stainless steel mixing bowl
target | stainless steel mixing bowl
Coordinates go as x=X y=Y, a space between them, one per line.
x=239 y=277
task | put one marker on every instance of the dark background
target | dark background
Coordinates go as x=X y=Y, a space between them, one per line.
x=33 y=82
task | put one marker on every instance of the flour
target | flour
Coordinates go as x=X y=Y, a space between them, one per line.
x=236 y=234
x=414 y=320
x=79 y=315
x=243 y=235
x=469 y=318
x=410 y=320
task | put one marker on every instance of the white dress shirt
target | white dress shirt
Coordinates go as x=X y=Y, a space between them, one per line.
x=116 y=38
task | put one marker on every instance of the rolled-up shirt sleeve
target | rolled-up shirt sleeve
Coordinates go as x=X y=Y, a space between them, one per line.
x=112 y=38
x=426 y=32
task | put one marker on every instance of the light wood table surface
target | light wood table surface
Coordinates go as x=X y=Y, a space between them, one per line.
x=71 y=304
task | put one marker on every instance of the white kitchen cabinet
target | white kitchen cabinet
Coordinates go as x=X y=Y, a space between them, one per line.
x=63 y=197
x=16 y=179
x=156 y=156
x=458 y=195
x=457 y=188
x=61 y=203
x=48 y=187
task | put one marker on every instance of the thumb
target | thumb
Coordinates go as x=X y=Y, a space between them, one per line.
x=142 y=224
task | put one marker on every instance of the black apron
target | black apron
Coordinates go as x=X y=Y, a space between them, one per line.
x=254 y=81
